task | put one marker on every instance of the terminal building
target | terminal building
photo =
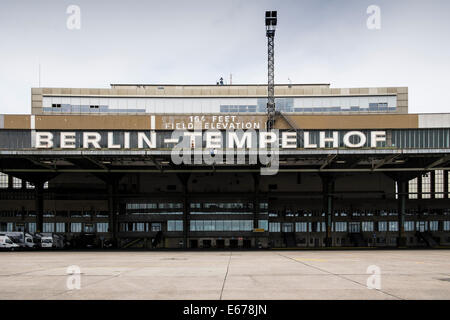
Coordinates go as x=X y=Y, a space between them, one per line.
x=193 y=166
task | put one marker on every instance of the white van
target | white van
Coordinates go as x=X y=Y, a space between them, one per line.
x=7 y=243
x=47 y=242
x=23 y=239
x=44 y=240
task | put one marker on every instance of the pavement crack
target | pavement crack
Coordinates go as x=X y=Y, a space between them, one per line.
x=226 y=275
x=339 y=276
x=22 y=273
x=95 y=282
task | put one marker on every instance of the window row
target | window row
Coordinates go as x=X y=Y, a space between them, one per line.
x=231 y=225
x=16 y=183
x=220 y=212
x=214 y=105
x=364 y=226
x=160 y=205
x=421 y=138
x=140 y=227
x=58 y=227
x=221 y=225
x=156 y=213
x=222 y=205
x=429 y=185
x=50 y=214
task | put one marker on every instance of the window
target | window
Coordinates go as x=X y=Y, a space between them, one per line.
x=75 y=227
x=320 y=226
x=439 y=184
x=194 y=225
x=412 y=185
x=139 y=227
x=156 y=227
x=446 y=225
x=367 y=226
x=421 y=226
x=263 y=224
x=102 y=227
x=175 y=225
x=48 y=227
x=382 y=226
x=434 y=225
x=170 y=205
x=288 y=227
x=46 y=185
x=10 y=227
x=227 y=226
x=32 y=227
x=30 y=185
x=301 y=227
x=340 y=226
x=230 y=205
x=448 y=176
x=354 y=227
x=3 y=181
x=264 y=205
x=426 y=186
x=408 y=225
x=393 y=225
x=396 y=190
x=274 y=227
x=134 y=206
x=246 y=225
x=219 y=225
x=17 y=183
x=89 y=227
x=60 y=227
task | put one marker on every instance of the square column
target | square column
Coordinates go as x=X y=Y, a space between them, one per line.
x=39 y=206
x=327 y=196
x=402 y=197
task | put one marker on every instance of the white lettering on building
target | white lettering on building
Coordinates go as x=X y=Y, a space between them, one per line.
x=44 y=140
x=213 y=140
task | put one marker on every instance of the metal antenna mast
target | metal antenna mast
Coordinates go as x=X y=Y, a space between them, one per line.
x=271 y=23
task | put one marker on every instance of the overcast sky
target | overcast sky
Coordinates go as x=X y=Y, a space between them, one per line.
x=197 y=41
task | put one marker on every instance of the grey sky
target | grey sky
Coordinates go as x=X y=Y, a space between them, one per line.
x=197 y=41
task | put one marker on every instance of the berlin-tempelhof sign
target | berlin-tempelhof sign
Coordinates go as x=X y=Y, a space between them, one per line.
x=262 y=146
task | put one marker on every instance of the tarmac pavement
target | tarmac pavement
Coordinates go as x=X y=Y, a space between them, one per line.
x=280 y=275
